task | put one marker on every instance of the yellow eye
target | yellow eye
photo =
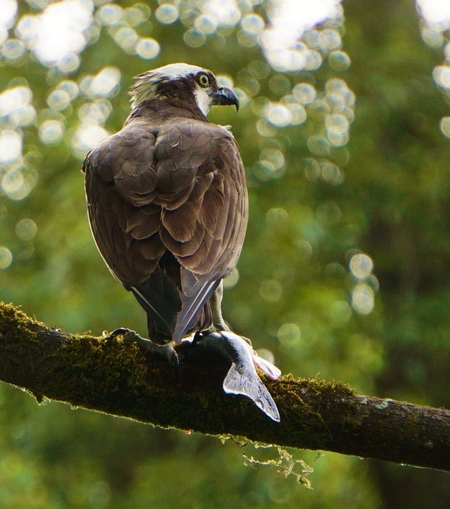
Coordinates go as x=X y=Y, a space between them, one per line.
x=203 y=80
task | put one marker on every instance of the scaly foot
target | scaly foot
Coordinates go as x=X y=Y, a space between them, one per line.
x=167 y=352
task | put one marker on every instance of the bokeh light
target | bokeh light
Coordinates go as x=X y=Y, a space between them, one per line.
x=340 y=312
x=206 y=24
x=126 y=37
x=232 y=279
x=51 y=131
x=58 y=100
x=26 y=229
x=109 y=14
x=6 y=257
x=436 y=21
x=13 y=49
x=289 y=335
x=435 y=12
x=361 y=265
x=339 y=60
x=137 y=14
x=194 y=38
x=104 y=84
x=270 y=165
x=95 y=112
x=363 y=299
x=8 y=13
x=225 y=12
x=441 y=75
x=304 y=93
x=17 y=184
x=86 y=137
x=167 y=13
x=289 y=21
x=147 y=48
x=277 y=216
x=59 y=34
x=16 y=108
x=70 y=87
x=445 y=126
x=270 y=290
x=10 y=146
x=278 y=115
x=363 y=293
x=253 y=23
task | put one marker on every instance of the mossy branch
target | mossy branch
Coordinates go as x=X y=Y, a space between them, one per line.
x=107 y=375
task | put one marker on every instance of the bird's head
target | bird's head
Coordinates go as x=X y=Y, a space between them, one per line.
x=183 y=81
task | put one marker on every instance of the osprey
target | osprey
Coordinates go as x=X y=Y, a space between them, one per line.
x=168 y=209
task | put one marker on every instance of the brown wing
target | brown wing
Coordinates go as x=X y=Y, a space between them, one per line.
x=168 y=209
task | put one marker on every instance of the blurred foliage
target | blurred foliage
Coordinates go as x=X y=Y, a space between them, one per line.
x=344 y=273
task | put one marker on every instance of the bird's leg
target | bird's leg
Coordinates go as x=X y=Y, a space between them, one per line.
x=219 y=325
x=216 y=308
x=167 y=352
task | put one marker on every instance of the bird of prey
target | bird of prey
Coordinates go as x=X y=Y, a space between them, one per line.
x=168 y=209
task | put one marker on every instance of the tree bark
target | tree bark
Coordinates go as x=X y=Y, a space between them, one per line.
x=108 y=375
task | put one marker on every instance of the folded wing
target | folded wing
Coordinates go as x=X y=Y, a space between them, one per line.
x=168 y=210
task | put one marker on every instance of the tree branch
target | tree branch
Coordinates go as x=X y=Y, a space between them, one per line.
x=107 y=375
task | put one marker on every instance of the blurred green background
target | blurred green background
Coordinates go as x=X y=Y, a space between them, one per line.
x=344 y=132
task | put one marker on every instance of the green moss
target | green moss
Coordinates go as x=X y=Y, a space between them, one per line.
x=15 y=324
x=105 y=374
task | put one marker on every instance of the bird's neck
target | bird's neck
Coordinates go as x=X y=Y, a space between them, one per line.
x=159 y=108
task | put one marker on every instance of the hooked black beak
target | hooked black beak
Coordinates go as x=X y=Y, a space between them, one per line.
x=225 y=97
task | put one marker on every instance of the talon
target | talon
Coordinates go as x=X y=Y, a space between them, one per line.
x=204 y=337
x=199 y=335
x=247 y=340
x=121 y=331
x=167 y=352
